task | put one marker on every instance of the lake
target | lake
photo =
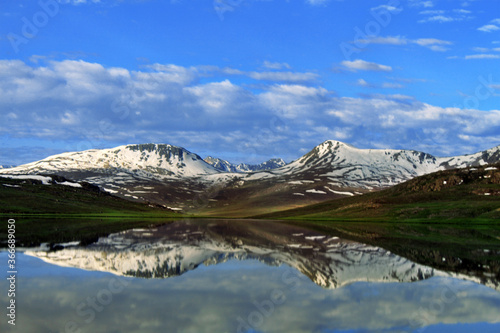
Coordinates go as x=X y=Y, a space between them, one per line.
x=211 y=275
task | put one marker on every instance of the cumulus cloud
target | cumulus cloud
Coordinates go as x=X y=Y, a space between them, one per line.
x=363 y=65
x=78 y=105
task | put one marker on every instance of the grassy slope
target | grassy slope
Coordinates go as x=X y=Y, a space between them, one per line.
x=457 y=195
x=34 y=198
x=58 y=213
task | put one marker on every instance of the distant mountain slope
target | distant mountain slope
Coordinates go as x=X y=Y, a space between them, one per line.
x=176 y=178
x=329 y=171
x=472 y=192
x=226 y=166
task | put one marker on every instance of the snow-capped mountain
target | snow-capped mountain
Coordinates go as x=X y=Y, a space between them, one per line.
x=226 y=166
x=181 y=246
x=347 y=166
x=155 y=159
x=176 y=178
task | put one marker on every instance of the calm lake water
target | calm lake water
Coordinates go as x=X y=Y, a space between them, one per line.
x=239 y=276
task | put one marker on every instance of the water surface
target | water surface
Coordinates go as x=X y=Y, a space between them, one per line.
x=240 y=276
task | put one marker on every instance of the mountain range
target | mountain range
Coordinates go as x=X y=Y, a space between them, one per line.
x=227 y=166
x=176 y=178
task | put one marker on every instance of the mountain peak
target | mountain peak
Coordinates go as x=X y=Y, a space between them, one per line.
x=336 y=143
x=162 y=149
x=332 y=145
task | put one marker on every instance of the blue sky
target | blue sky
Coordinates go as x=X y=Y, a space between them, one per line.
x=247 y=80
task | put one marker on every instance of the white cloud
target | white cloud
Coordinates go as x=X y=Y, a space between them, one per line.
x=363 y=83
x=216 y=97
x=482 y=56
x=283 y=76
x=389 y=40
x=481 y=49
x=388 y=8
x=363 y=65
x=276 y=65
x=385 y=85
x=70 y=118
x=446 y=16
x=489 y=28
x=392 y=85
x=78 y=2
x=438 y=18
x=430 y=43
x=274 y=76
x=82 y=105
x=317 y=2
x=432 y=12
x=421 y=3
x=433 y=44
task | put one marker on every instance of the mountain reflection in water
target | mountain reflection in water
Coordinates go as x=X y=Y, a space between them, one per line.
x=241 y=276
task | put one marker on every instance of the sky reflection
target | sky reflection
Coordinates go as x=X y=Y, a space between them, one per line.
x=241 y=296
